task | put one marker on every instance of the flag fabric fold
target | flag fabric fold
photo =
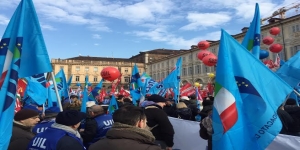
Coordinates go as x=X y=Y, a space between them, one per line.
x=251 y=40
x=290 y=70
x=113 y=105
x=247 y=96
x=22 y=54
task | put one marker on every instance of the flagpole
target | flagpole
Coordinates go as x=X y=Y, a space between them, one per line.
x=56 y=92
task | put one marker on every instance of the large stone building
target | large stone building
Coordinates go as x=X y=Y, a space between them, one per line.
x=193 y=70
x=81 y=66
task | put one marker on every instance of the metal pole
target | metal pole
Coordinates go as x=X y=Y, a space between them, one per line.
x=56 y=91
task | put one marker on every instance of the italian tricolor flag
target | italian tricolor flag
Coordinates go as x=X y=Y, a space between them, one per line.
x=225 y=105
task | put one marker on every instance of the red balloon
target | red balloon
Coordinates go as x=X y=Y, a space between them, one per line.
x=203 y=53
x=268 y=40
x=110 y=73
x=210 y=60
x=274 y=31
x=275 y=48
x=203 y=45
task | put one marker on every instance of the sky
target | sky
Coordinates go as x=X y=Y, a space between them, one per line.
x=123 y=28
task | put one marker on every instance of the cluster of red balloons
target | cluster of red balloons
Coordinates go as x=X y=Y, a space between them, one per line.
x=208 y=58
x=268 y=40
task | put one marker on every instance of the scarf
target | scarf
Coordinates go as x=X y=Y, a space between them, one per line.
x=66 y=128
x=146 y=133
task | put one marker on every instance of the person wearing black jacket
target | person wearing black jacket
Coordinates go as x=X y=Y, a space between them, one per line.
x=158 y=122
x=191 y=105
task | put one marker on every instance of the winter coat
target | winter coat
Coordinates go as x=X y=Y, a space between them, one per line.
x=21 y=136
x=122 y=136
x=184 y=113
x=193 y=108
x=159 y=121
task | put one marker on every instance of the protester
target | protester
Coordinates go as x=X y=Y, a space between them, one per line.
x=49 y=119
x=158 y=121
x=129 y=132
x=293 y=109
x=170 y=107
x=96 y=126
x=62 y=135
x=183 y=112
x=206 y=129
x=286 y=120
x=24 y=120
x=191 y=105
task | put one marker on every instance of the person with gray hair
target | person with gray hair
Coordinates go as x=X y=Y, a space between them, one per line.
x=96 y=125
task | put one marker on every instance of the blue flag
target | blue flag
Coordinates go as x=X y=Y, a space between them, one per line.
x=173 y=79
x=135 y=85
x=252 y=38
x=85 y=95
x=248 y=109
x=70 y=81
x=113 y=105
x=290 y=70
x=61 y=83
x=96 y=91
x=36 y=91
x=22 y=53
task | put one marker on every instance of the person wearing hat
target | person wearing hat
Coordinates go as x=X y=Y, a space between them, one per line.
x=158 y=121
x=23 y=121
x=49 y=119
x=190 y=104
x=96 y=126
x=62 y=135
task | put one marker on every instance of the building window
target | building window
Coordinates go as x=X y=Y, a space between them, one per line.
x=190 y=70
x=162 y=64
x=126 y=79
x=158 y=66
x=297 y=28
x=183 y=58
x=87 y=69
x=294 y=29
x=206 y=69
x=190 y=56
x=184 y=72
x=77 y=78
x=197 y=68
x=77 y=68
x=61 y=67
x=95 y=79
x=126 y=70
x=154 y=77
x=153 y=66
x=96 y=69
x=162 y=75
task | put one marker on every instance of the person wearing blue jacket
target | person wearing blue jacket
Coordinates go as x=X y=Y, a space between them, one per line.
x=96 y=125
x=62 y=135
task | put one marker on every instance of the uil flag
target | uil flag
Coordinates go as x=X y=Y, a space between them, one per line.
x=135 y=84
x=248 y=109
x=22 y=53
x=252 y=38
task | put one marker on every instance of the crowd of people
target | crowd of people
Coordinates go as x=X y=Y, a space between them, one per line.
x=145 y=126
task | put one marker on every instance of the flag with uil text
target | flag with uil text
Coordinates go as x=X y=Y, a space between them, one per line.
x=252 y=38
x=247 y=109
x=135 y=85
x=22 y=53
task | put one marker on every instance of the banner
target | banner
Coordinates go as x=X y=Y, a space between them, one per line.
x=187 y=137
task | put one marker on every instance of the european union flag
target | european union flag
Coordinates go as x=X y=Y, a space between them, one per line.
x=135 y=84
x=252 y=38
x=85 y=95
x=113 y=105
x=22 y=53
x=247 y=109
